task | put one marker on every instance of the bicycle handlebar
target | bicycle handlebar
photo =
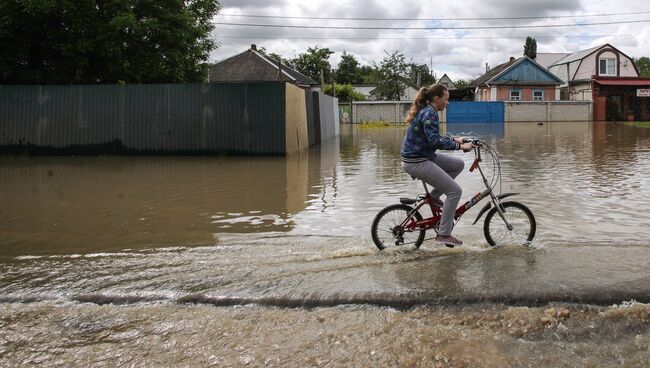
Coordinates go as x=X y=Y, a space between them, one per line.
x=476 y=142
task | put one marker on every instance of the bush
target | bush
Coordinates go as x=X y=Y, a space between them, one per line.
x=345 y=93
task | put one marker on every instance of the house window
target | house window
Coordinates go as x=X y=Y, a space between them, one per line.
x=538 y=95
x=515 y=95
x=607 y=67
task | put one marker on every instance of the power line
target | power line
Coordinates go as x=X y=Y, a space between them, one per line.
x=430 y=28
x=430 y=19
x=420 y=38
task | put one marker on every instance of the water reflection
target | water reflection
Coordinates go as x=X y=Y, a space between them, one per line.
x=585 y=182
x=89 y=204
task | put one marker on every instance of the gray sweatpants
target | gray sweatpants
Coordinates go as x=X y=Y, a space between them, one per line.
x=440 y=174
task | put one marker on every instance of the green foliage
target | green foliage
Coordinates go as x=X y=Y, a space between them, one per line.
x=463 y=83
x=345 y=93
x=369 y=74
x=376 y=124
x=393 y=72
x=640 y=124
x=88 y=41
x=348 y=71
x=426 y=77
x=276 y=57
x=311 y=63
x=530 y=48
x=643 y=64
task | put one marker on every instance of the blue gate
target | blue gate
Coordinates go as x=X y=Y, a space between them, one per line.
x=475 y=112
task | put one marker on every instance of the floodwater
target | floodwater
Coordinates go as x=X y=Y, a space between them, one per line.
x=268 y=261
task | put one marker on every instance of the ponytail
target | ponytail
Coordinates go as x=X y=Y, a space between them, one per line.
x=425 y=96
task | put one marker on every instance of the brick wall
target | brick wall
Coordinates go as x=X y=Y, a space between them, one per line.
x=503 y=93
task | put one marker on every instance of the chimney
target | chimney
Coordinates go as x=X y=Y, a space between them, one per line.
x=253 y=47
x=512 y=58
x=487 y=67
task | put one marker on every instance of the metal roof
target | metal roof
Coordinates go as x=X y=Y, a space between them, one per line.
x=633 y=81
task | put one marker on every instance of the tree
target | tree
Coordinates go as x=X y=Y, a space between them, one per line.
x=313 y=61
x=530 y=48
x=85 y=41
x=643 y=64
x=463 y=83
x=348 y=70
x=369 y=74
x=393 y=77
x=345 y=93
x=421 y=72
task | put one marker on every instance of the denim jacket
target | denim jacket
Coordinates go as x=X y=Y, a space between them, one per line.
x=423 y=137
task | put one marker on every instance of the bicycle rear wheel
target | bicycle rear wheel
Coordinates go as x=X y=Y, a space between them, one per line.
x=387 y=230
x=522 y=221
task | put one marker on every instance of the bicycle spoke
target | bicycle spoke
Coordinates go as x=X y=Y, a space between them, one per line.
x=520 y=221
x=388 y=230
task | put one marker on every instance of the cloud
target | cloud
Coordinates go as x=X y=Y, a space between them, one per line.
x=462 y=53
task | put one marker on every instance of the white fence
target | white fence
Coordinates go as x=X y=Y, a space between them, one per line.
x=384 y=111
x=548 y=111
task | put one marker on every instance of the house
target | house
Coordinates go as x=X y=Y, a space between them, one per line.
x=253 y=66
x=447 y=82
x=580 y=68
x=607 y=77
x=365 y=89
x=519 y=79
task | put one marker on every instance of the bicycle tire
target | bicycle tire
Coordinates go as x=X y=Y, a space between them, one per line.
x=380 y=230
x=519 y=216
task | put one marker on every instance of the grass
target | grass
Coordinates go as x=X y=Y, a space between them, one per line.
x=378 y=124
x=642 y=124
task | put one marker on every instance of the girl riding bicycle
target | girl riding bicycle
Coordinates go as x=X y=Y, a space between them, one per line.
x=420 y=160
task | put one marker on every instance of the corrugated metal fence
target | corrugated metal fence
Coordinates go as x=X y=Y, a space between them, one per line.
x=233 y=118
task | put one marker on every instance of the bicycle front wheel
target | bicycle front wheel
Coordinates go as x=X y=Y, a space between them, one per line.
x=522 y=221
x=388 y=230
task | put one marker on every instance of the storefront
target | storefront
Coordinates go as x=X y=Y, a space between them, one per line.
x=621 y=98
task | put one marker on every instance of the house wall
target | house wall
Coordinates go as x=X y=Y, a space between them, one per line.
x=503 y=93
x=580 y=91
x=483 y=94
x=365 y=90
x=409 y=94
x=589 y=65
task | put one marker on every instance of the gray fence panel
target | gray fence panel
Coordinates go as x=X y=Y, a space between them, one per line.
x=328 y=116
x=317 y=117
x=312 y=129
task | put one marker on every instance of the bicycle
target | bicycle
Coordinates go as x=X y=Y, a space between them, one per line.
x=505 y=222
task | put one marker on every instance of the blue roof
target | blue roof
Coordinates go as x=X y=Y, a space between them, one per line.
x=525 y=71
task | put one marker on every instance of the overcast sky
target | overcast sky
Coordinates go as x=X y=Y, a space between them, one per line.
x=461 y=53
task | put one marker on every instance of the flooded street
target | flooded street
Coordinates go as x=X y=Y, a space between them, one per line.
x=268 y=261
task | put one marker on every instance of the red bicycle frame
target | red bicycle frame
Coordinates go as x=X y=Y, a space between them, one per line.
x=411 y=224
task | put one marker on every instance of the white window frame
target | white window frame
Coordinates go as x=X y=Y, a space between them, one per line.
x=541 y=97
x=610 y=66
x=515 y=98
